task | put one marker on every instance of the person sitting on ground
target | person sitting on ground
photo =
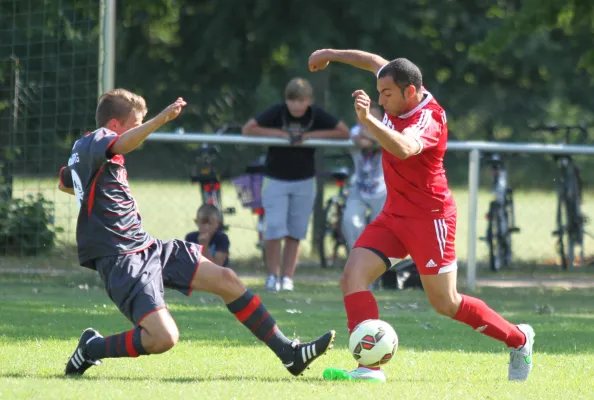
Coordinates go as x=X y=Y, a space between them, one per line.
x=215 y=243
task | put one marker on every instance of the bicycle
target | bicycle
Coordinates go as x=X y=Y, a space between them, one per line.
x=332 y=240
x=205 y=173
x=249 y=191
x=501 y=216
x=569 y=219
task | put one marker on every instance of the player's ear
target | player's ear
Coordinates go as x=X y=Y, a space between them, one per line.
x=410 y=91
x=113 y=124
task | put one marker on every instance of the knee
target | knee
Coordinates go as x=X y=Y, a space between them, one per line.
x=446 y=304
x=164 y=340
x=349 y=279
x=229 y=276
x=229 y=283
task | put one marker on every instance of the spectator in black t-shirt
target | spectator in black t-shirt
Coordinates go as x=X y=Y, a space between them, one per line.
x=289 y=190
x=214 y=242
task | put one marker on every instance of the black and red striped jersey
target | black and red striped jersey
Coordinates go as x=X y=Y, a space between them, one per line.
x=108 y=220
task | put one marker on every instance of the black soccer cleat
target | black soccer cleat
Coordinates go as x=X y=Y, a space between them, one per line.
x=79 y=362
x=306 y=353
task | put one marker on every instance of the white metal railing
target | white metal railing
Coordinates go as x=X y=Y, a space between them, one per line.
x=474 y=148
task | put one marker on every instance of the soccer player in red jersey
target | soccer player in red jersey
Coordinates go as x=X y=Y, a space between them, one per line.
x=419 y=216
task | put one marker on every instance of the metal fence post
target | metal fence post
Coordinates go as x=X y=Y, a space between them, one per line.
x=473 y=182
x=107 y=31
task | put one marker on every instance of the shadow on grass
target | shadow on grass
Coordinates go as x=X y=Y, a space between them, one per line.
x=197 y=379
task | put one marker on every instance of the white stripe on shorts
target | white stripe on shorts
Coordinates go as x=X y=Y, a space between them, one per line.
x=441 y=232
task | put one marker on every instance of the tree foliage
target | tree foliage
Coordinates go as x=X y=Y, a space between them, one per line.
x=492 y=64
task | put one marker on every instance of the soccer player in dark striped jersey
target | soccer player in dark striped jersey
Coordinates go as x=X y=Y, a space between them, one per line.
x=135 y=267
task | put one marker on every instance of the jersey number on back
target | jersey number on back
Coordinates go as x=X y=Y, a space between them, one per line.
x=78 y=187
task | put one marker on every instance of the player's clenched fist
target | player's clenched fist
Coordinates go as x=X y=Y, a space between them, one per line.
x=362 y=104
x=318 y=60
x=173 y=110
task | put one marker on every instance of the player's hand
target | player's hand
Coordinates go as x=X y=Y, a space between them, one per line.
x=362 y=104
x=319 y=60
x=205 y=237
x=297 y=137
x=173 y=110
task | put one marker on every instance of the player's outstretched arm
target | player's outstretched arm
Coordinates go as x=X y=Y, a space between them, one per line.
x=320 y=59
x=133 y=138
x=65 y=185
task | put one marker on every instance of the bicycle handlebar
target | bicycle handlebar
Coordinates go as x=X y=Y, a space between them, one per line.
x=553 y=128
x=341 y=156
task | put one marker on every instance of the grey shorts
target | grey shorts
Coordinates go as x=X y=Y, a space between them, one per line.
x=287 y=207
x=135 y=282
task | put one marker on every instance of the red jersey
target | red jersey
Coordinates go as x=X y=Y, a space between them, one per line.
x=418 y=187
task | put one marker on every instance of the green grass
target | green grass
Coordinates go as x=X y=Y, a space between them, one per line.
x=167 y=208
x=218 y=358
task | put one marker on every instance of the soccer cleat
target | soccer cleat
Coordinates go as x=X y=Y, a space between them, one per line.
x=520 y=360
x=359 y=374
x=79 y=362
x=306 y=353
x=272 y=284
x=287 y=284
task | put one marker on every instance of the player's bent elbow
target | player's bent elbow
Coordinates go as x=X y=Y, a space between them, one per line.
x=65 y=189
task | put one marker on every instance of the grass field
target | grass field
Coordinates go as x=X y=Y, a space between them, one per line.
x=167 y=208
x=218 y=358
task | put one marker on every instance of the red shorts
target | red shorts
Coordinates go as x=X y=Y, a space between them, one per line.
x=430 y=242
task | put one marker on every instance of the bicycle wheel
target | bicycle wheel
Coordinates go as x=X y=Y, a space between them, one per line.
x=561 y=231
x=333 y=249
x=509 y=228
x=493 y=237
x=575 y=220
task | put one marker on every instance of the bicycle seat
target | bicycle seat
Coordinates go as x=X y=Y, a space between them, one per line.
x=340 y=174
x=258 y=166
x=494 y=158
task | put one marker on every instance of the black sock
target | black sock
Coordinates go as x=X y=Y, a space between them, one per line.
x=125 y=344
x=251 y=312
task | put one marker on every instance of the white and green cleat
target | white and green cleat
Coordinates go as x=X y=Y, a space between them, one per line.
x=359 y=374
x=520 y=360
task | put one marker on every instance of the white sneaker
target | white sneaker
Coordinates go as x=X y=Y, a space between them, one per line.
x=287 y=284
x=272 y=284
x=520 y=360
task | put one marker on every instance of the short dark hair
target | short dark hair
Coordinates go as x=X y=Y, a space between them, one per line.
x=209 y=210
x=403 y=73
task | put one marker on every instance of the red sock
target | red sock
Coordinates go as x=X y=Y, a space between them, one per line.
x=481 y=318
x=360 y=306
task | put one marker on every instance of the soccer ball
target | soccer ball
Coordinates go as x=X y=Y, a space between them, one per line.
x=373 y=343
